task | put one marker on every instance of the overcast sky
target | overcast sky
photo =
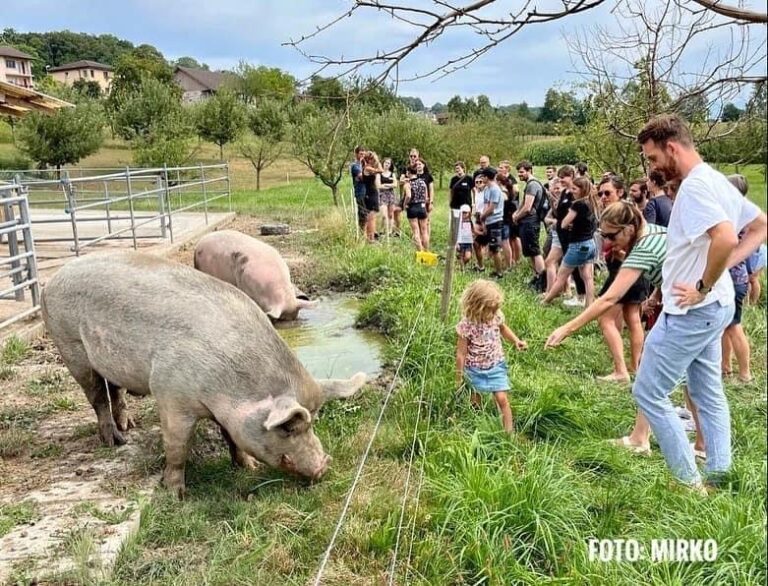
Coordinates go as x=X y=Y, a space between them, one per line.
x=222 y=32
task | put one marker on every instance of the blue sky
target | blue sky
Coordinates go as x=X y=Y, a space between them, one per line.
x=222 y=32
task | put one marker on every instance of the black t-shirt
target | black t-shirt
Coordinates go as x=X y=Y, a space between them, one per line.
x=563 y=205
x=583 y=226
x=507 y=185
x=461 y=191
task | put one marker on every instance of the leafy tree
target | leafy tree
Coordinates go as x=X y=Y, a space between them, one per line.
x=438 y=108
x=413 y=104
x=87 y=88
x=524 y=111
x=220 y=119
x=268 y=124
x=254 y=83
x=694 y=109
x=561 y=107
x=372 y=95
x=168 y=142
x=146 y=106
x=133 y=68
x=190 y=62
x=62 y=138
x=731 y=112
x=327 y=91
x=322 y=142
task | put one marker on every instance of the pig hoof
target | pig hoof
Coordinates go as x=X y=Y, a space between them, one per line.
x=174 y=485
x=245 y=461
x=124 y=421
x=112 y=437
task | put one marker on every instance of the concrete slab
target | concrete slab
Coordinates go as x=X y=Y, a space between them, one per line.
x=187 y=226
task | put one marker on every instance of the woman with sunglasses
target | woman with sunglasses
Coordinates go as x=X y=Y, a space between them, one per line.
x=644 y=247
x=628 y=309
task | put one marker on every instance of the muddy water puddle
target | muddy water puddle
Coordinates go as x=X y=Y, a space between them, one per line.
x=328 y=344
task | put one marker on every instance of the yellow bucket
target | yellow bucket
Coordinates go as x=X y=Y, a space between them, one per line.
x=426 y=258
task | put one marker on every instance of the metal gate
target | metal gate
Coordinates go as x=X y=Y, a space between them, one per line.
x=19 y=267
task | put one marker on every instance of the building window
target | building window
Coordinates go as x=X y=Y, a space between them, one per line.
x=10 y=64
x=106 y=75
x=23 y=67
x=92 y=74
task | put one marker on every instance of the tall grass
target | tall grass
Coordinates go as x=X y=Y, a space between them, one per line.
x=484 y=507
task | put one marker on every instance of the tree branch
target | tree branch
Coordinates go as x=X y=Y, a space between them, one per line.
x=733 y=12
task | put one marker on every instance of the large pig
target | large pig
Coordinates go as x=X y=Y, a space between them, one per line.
x=254 y=267
x=200 y=346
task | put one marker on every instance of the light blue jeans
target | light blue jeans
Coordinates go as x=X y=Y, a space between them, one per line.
x=687 y=344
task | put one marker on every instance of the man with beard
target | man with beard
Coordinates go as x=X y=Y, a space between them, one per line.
x=698 y=300
x=659 y=206
x=638 y=191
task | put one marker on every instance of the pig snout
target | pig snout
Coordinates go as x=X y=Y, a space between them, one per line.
x=313 y=473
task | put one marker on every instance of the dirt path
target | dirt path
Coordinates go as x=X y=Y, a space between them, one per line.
x=66 y=502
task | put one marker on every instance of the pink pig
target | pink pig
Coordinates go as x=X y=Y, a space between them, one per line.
x=255 y=268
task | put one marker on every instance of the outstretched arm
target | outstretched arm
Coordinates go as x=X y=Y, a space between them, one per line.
x=624 y=280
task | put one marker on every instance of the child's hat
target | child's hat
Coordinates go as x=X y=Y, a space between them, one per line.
x=465 y=208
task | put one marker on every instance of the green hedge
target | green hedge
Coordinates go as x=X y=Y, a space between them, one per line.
x=551 y=152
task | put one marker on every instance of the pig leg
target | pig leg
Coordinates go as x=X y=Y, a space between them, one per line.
x=177 y=430
x=120 y=414
x=92 y=383
x=239 y=457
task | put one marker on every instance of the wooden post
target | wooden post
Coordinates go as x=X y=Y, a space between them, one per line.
x=450 y=255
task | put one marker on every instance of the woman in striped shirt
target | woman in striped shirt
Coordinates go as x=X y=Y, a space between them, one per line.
x=645 y=246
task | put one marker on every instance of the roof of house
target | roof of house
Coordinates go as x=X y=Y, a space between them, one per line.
x=6 y=51
x=211 y=80
x=82 y=64
x=18 y=101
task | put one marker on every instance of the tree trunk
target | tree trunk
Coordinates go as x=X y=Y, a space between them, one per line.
x=335 y=193
x=221 y=152
x=258 y=179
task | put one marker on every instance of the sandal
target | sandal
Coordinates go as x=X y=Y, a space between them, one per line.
x=624 y=442
x=699 y=454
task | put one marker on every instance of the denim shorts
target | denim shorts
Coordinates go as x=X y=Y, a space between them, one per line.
x=740 y=290
x=488 y=380
x=495 y=233
x=580 y=253
x=463 y=247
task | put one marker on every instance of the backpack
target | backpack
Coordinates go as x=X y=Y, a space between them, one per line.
x=541 y=207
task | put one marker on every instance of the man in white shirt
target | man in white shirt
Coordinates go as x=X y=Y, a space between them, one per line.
x=698 y=299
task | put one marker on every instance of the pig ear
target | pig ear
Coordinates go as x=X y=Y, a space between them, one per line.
x=286 y=410
x=341 y=388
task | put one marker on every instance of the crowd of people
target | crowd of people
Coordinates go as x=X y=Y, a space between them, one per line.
x=682 y=251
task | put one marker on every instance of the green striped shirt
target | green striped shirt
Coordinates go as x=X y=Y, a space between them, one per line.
x=648 y=253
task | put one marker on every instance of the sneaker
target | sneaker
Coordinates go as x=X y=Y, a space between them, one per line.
x=478 y=269
x=497 y=276
x=574 y=302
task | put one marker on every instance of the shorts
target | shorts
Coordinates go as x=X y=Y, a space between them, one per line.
x=463 y=247
x=416 y=212
x=757 y=260
x=556 y=240
x=741 y=292
x=514 y=231
x=505 y=232
x=580 y=253
x=529 y=235
x=495 y=233
x=371 y=202
x=488 y=380
x=386 y=197
x=637 y=293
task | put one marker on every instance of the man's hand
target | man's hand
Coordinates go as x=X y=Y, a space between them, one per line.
x=521 y=345
x=687 y=295
x=556 y=337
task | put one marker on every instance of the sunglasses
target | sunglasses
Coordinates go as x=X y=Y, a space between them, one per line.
x=604 y=193
x=612 y=235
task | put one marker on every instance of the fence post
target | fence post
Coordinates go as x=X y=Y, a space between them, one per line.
x=205 y=193
x=167 y=195
x=161 y=201
x=13 y=242
x=69 y=191
x=29 y=246
x=229 y=187
x=130 y=206
x=106 y=205
x=445 y=294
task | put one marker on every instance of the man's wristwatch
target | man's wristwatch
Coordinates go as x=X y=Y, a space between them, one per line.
x=701 y=288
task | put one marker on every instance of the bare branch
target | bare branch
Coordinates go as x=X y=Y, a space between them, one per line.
x=733 y=12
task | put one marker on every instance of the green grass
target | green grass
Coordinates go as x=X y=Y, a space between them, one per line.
x=755 y=175
x=491 y=509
